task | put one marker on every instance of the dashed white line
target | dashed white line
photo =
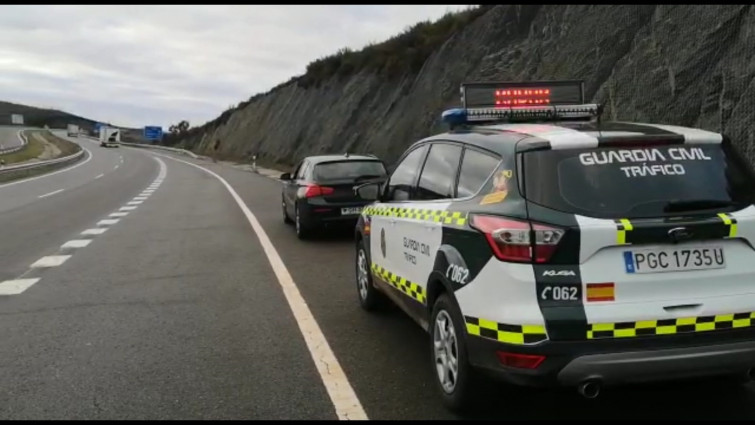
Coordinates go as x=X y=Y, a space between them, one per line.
x=99 y=231
x=108 y=221
x=118 y=214
x=51 y=193
x=339 y=389
x=50 y=261
x=16 y=286
x=134 y=202
x=141 y=198
x=76 y=243
x=127 y=208
x=116 y=166
x=98 y=176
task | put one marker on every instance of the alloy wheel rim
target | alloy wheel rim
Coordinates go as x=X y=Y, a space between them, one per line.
x=446 y=352
x=362 y=274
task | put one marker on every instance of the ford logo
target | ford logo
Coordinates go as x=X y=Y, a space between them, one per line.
x=678 y=234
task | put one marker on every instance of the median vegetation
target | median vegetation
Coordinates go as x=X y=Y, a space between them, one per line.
x=32 y=150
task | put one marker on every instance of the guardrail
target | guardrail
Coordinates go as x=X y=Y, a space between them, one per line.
x=164 y=148
x=24 y=141
x=18 y=170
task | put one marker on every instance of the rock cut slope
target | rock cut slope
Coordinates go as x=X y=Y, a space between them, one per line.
x=684 y=65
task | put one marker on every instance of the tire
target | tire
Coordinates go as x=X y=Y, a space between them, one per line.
x=459 y=396
x=286 y=218
x=370 y=298
x=303 y=229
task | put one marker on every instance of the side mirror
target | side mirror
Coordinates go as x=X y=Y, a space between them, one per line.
x=285 y=176
x=368 y=191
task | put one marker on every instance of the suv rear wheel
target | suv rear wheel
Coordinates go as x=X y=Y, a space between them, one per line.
x=454 y=376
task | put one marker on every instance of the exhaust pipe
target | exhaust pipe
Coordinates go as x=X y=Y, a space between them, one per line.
x=590 y=389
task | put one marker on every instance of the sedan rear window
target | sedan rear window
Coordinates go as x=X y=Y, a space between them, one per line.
x=338 y=170
x=638 y=182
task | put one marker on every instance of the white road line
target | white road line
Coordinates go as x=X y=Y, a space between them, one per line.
x=134 y=202
x=339 y=389
x=148 y=191
x=16 y=286
x=108 y=221
x=116 y=166
x=145 y=194
x=89 y=157
x=118 y=214
x=128 y=208
x=51 y=193
x=99 y=176
x=94 y=231
x=141 y=198
x=76 y=243
x=50 y=261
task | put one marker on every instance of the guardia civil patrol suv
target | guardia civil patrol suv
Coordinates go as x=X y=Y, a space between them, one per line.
x=538 y=243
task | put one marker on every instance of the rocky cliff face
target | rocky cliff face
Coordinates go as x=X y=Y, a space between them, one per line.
x=685 y=65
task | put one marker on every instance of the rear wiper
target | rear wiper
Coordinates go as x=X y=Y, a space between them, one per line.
x=700 y=204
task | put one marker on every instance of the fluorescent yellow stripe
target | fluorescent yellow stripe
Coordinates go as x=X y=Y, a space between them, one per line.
x=624 y=333
x=741 y=323
x=487 y=324
x=646 y=324
x=665 y=330
x=709 y=326
x=733 y=230
x=473 y=329
x=627 y=224
x=725 y=218
x=510 y=337
x=533 y=329
x=597 y=327
x=685 y=321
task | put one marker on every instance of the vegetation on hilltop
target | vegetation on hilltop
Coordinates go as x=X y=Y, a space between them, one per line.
x=400 y=55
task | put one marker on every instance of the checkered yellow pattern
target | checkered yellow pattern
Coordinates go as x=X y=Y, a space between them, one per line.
x=407 y=288
x=670 y=326
x=455 y=218
x=501 y=332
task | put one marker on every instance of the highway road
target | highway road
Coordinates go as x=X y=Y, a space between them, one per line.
x=9 y=137
x=170 y=288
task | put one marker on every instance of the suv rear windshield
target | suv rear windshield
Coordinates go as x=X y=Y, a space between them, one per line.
x=619 y=182
x=341 y=170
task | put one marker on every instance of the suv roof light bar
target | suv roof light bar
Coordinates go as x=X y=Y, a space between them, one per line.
x=462 y=116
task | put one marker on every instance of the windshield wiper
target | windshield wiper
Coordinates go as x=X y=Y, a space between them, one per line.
x=699 y=204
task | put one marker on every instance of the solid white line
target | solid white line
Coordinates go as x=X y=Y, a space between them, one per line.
x=50 y=194
x=16 y=286
x=134 y=203
x=108 y=222
x=339 y=389
x=89 y=157
x=76 y=243
x=128 y=208
x=99 y=176
x=94 y=231
x=118 y=214
x=50 y=261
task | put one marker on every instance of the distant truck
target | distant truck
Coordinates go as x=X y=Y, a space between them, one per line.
x=110 y=136
x=73 y=130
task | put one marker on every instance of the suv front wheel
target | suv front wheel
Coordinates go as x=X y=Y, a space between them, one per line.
x=454 y=376
x=370 y=297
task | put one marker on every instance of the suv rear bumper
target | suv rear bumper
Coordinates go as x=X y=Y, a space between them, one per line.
x=616 y=363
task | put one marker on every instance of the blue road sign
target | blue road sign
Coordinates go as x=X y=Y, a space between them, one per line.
x=153 y=133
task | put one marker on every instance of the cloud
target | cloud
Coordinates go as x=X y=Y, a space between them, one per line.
x=142 y=65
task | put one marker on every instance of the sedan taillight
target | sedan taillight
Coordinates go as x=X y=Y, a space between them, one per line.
x=512 y=240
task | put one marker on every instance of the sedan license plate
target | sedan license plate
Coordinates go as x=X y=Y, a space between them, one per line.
x=674 y=259
x=351 y=210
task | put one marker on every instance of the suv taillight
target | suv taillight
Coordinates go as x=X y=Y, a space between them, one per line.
x=511 y=240
x=313 y=190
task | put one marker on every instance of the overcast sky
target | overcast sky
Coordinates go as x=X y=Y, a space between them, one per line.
x=155 y=65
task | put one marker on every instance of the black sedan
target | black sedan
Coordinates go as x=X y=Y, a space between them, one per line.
x=320 y=190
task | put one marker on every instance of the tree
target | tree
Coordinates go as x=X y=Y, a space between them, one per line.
x=180 y=128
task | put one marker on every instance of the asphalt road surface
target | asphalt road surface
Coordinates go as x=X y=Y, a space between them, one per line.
x=9 y=137
x=173 y=309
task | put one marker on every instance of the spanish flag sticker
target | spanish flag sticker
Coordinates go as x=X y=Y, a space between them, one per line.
x=601 y=292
